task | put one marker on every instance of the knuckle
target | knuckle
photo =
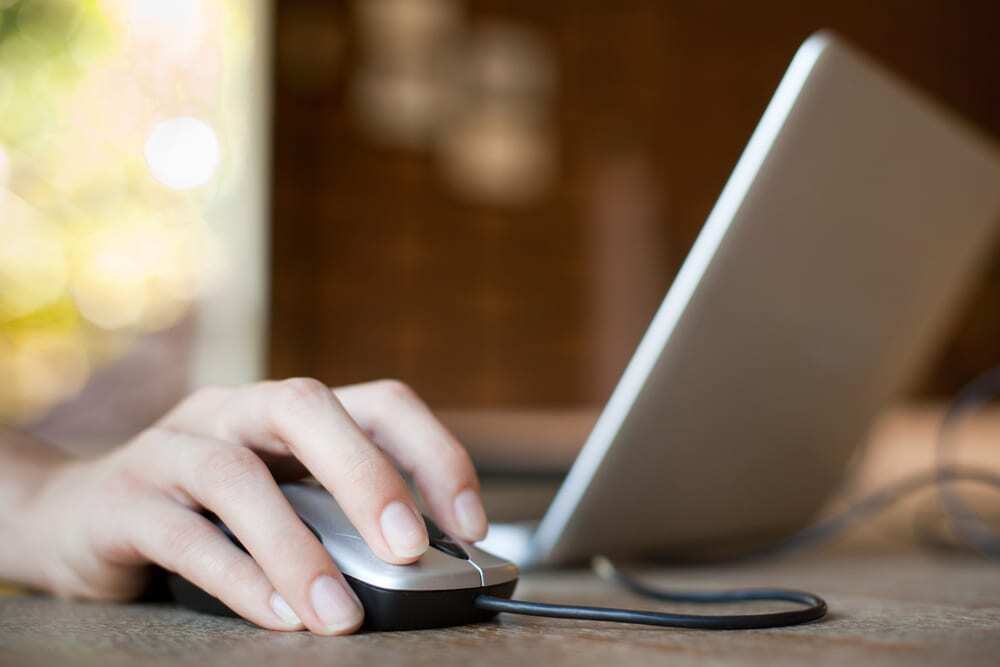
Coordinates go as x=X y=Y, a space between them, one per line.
x=396 y=390
x=293 y=396
x=181 y=541
x=241 y=572
x=302 y=389
x=364 y=471
x=225 y=467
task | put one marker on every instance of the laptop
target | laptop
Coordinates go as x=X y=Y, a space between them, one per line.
x=830 y=267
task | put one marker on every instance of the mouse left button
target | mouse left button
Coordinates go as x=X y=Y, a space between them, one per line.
x=439 y=540
x=433 y=531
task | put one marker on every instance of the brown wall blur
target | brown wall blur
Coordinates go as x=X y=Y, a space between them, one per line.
x=381 y=269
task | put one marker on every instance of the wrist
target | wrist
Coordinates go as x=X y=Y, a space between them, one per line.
x=30 y=469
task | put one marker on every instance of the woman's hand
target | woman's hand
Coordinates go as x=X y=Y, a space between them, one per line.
x=96 y=525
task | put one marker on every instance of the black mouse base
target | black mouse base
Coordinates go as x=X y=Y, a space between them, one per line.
x=417 y=610
x=384 y=609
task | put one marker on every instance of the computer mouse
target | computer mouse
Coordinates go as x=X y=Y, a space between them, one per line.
x=438 y=590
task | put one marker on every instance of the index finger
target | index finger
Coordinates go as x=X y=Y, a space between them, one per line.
x=303 y=415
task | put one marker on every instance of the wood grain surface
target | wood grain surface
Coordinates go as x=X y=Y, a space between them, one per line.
x=887 y=609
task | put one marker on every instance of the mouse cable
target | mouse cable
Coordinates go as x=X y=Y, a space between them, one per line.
x=967 y=524
x=814 y=608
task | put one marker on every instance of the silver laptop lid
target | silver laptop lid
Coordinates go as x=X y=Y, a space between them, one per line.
x=856 y=216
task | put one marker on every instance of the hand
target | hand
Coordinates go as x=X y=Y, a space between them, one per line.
x=99 y=523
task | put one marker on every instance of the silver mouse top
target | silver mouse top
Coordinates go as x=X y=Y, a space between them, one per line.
x=442 y=567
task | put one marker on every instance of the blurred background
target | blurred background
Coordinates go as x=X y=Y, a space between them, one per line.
x=134 y=138
x=484 y=198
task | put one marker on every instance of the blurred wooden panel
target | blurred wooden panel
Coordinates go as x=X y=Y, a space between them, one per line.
x=380 y=269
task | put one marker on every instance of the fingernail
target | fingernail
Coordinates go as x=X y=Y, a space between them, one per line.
x=470 y=514
x=283 y=611
x=403 y=530
x=337 y=607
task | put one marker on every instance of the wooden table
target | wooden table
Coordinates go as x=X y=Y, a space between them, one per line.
x=891 y=602
x=887 y=609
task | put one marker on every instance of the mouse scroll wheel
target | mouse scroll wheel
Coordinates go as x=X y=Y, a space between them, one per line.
x=440 y=541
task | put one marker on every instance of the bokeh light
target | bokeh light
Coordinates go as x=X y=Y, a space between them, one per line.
x=496 y=156
x=33 y=265
x=479 y=97
x=43 y=369
x=182 y=153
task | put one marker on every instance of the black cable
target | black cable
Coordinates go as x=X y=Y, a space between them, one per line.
x=814 y=606
x=816 y=609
